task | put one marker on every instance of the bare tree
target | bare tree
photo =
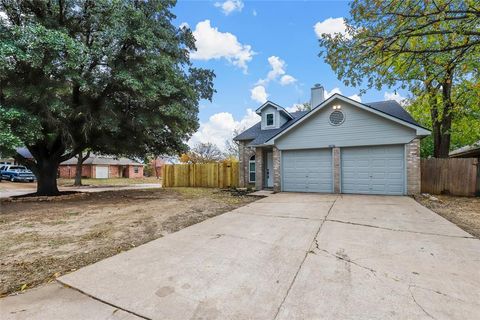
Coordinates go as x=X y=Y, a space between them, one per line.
x=231 y=146
x=204 y=153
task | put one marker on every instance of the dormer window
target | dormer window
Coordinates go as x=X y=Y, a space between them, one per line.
x=270 y=119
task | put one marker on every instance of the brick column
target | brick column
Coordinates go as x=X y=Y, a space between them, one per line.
x=242 y=163
x=258 y=168
x=413 y=167
x=336 y=170
x=276 y=170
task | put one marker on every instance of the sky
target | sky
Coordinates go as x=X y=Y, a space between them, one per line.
x=262 y=50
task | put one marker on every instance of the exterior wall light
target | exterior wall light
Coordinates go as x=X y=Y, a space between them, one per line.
x=337 y=107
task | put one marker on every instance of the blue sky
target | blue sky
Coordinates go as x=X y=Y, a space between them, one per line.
x=259 y=50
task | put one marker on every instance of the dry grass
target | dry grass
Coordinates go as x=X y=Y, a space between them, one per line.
x=109 y=182
x=462 y=211
x=42 y=240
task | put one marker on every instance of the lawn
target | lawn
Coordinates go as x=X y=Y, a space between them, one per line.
x=462 y=211
x=42 y=240
x=109 y=182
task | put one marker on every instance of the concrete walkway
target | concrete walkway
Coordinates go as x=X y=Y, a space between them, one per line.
x=287 y=256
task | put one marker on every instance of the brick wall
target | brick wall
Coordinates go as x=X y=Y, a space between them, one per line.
x=276 y=170
x=336 y=170
x=68 y=171
x=413 y=167
x=245 y=153
x=131 y=172
x=259 y=168
x=114 y=171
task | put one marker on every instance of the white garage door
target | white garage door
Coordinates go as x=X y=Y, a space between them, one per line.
x=101 y=172
x=307 y=170
x=373 y=170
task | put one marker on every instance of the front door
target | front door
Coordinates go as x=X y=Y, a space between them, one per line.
x=269 y=170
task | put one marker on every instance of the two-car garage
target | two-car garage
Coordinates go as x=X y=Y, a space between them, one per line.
x=364 y=170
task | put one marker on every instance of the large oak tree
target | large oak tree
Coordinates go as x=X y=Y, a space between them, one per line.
x=430 y=46
x=106 y=75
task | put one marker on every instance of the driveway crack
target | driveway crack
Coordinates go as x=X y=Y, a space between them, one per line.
x=399 y=230
x=103 y=301
x=346 y=259
x=314 y=242
x=418 y=304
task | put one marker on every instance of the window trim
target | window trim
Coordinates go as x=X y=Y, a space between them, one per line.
x=273 y=119
x=250 y=171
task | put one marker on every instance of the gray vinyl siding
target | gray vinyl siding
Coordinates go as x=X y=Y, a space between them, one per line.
x=373 y=170
x=307 y=170
x=360 y=128
x=276 y=120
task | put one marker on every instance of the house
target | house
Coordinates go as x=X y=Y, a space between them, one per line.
x=340 y=146
x=99 y=166
x=472 y=151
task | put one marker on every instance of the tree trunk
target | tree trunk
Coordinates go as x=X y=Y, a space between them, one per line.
x=47 y=177
x=78 y=170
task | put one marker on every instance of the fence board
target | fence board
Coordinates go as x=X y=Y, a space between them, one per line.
x=210 y=175
x=455 y=176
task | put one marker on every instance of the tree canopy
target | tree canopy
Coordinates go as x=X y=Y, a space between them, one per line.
x=430 y=47
x=111 y=76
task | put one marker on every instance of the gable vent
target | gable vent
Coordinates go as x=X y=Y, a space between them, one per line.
x=336 y=118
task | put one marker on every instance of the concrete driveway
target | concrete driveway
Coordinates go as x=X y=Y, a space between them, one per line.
x=287 y=256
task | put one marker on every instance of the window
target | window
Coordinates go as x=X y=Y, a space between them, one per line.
x=251 y=169
x=269 y=119
x=135 y=169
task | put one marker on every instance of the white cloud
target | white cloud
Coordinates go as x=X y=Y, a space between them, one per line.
x=331 y=26
x=254 y=12
x=278 y=70
x=213 y=44
x=293 y=108
x=395 y=96
x=259 y=94
x=356 y=97
x=287 y=79
x=330 y=93
x=220 y=127
x=229 y=6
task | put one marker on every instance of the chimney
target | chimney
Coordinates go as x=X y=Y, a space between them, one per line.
x=318 y=95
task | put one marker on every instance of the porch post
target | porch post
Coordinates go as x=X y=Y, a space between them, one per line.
x=276 y=170
x=259 y=169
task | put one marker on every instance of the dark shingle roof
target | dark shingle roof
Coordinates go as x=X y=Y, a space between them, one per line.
x=392 y=108
x=258 y=136
x=261 y=136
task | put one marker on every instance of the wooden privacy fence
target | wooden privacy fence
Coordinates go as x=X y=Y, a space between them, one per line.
x=210 y=175
x=455 y=176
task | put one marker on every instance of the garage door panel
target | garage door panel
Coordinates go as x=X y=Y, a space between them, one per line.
x=373 y=170
x=307 y=170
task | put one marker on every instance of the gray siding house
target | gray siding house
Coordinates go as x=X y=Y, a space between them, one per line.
x=340 y=146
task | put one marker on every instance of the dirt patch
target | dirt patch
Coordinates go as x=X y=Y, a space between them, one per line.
x=40 y=241
x=463 y=211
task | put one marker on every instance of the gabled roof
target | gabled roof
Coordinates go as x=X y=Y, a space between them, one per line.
x=390 y=109
x=391 y=112
x=260 y=136
x=279 y=108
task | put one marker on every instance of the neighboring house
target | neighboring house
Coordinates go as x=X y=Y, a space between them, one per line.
x=472 y=151
x=340 y=146
x=102 y=167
